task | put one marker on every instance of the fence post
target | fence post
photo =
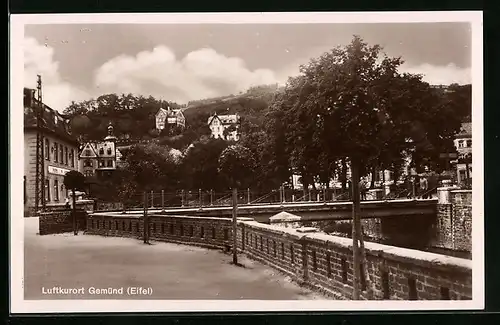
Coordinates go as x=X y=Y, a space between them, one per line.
x=317 y=196
x=284 y=195
x=211 y=197
x=163 y=199
x=248 y=195
x=324 y=194
x=145 y=223
x=182 y=198
x=152 y=198
x=293 y=197
x=309 y=195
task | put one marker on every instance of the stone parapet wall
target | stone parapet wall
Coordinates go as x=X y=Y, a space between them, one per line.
x=60 y=221
x=207 y=232
x=314 y=259
x=325 y=261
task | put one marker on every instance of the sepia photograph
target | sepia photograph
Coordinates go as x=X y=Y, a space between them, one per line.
x=246 y=162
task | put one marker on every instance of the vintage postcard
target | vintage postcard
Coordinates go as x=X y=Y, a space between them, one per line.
x=246 y=162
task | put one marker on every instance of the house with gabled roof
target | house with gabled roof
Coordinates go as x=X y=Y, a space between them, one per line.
x=226 y=127
x=169 y=116
x=98 y=158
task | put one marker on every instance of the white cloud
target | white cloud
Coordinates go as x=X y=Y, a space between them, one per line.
x=440 y=75
x=39 y=59
x=200 y=74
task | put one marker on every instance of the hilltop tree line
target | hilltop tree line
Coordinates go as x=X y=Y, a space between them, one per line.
x=349 y=105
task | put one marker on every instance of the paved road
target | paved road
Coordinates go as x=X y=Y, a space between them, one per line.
x=172 y=271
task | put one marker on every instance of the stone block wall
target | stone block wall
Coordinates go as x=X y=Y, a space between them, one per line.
x=60 y=221
x=313 y=259
x=207 y=232
x=325 y=262
x=454 y=221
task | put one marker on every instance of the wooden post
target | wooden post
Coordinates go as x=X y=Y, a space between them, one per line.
x=324 y=194
x=145 y=223
x=163 y=199
x=152 y=198
x=201 y=198
x=355 y=235
x=309 y=195
x=211 y=197
x=284 y=194
x=248 y=196
x=235 y=226
x=182 y=198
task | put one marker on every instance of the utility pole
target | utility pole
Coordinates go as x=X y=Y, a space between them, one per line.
x=235 y=225
x=40 y=166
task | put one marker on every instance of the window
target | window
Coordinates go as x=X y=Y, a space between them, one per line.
x=213 y=233
x=56 y=190
x=469 y=143
x=315 y=264
x=274 y=247
x=445 y=293
x=66 y=156
x=182 y=230
x=61 y=154
x=202 y=232
x=101 y=163
x=328 y=265
x=191 y=231
x=47 y=189
x=87 y=163
x=343 y=265
x=412 y=289
x=71 y=158
x=363 y=277
x=460 y=143
x=385 y=285
x=226 y=234
x=283 y=250
x=109 y=151
x=56 y=152
x=110 y=163
x=292 y=257
x=88 y=153
x=101 y=151
x=47 y=149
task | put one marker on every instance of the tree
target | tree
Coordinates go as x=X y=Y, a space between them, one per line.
x=237 y=164
x=352 y=103
x=201 y=163
x=75 y=181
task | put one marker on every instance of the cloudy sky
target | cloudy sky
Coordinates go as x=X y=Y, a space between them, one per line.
x=187 y=62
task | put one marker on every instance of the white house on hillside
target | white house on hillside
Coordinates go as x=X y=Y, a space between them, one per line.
x=219 y=123
x=169 y=116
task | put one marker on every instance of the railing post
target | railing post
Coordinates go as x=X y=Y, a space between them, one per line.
x=309 y=195
x=324 y=194
x=182 y=198
x=201 y=199
x=162 y=199
x=248 y=195
x=152 y=198
x=293 y=197
x=211 y=197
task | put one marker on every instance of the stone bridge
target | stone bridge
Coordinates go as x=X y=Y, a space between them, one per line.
x=311 y=210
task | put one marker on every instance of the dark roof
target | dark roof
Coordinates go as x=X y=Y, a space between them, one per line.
x=60 y=129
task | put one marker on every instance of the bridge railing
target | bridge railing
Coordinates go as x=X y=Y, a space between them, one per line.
x=159 y=199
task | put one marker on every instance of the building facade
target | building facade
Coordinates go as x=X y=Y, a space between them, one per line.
x=463 y=143
x=226 y=127
x=169 y=116
x=60 y=149
x=99 y=158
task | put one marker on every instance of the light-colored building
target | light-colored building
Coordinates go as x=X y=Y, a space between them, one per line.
x=169 y=117
x=98 y=158
x=463 y=143
x=218 y=125
x=60 y=149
